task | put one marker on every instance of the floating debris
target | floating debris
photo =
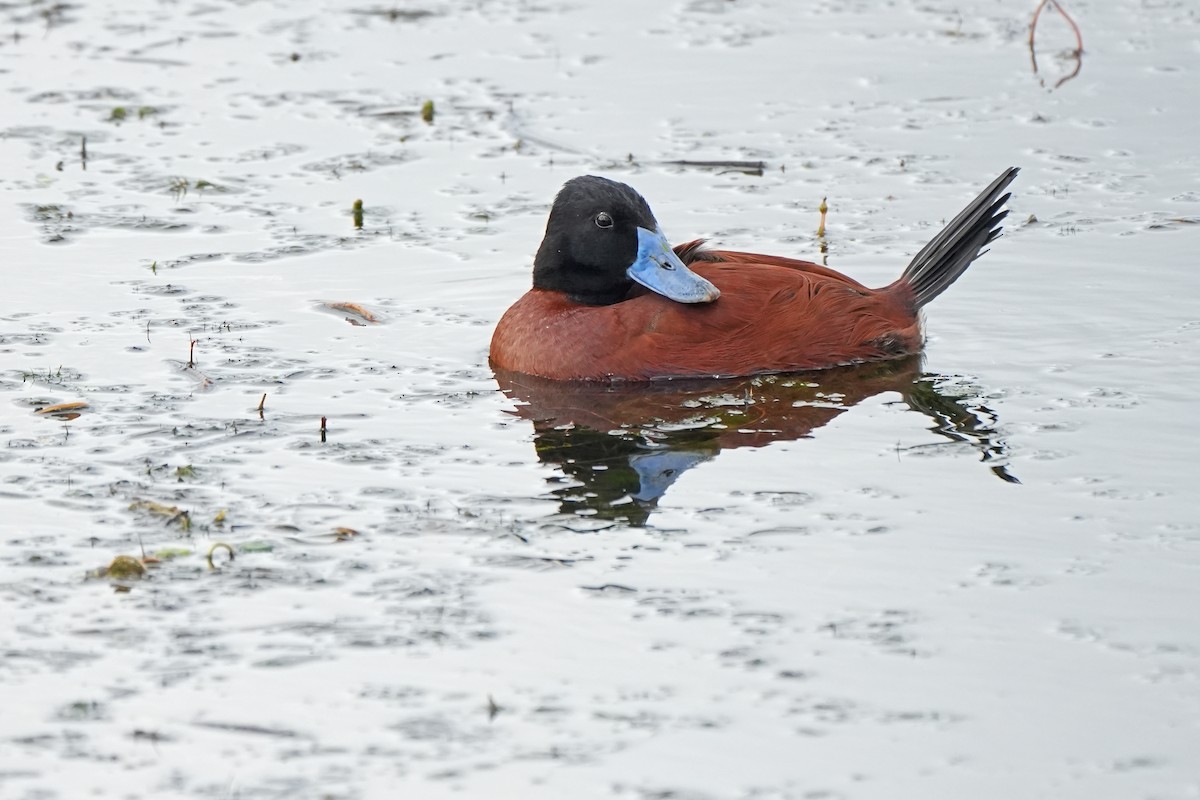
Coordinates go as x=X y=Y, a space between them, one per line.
x=168 y=553
x=122 y=568
x=155 y=508
x=344 y=534
x=212 y=551
x=63 y=411
x=755 y=168
x=173 y=513
x=363 y=314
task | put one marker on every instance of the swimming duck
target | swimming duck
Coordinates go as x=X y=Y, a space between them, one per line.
x=613 y=301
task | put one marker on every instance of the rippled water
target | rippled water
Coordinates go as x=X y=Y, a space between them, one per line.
x=971 y=576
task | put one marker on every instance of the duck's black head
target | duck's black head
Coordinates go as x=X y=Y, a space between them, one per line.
x=601 y=238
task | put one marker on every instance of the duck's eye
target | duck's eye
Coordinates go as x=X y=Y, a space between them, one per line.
x=603 y=220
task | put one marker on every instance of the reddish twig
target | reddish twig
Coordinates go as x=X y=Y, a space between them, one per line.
x=1077 y=53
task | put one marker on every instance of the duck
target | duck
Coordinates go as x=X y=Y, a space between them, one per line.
x=613 y=301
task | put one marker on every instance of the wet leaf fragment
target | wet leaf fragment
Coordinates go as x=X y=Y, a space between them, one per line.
x=363 y=314
x=64 y=411
x=167 y=553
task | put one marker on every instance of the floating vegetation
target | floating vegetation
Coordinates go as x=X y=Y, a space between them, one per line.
x=361 y=314
x=172 y=513
x=217 y=547
x=121 y=568
x=179 y=187
x=64 y=411
x=57 y=377
x=121 y=113
x=344 y=534
x=427 y=112
x=168 y=553
x=51 y=213
x=357 y=213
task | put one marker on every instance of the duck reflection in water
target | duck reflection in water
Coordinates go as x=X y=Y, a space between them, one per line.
x=621 y=447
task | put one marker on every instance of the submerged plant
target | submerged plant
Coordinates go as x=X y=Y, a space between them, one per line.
x=179 y=188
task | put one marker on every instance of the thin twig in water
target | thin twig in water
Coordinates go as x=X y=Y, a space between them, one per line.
x=1077 y=53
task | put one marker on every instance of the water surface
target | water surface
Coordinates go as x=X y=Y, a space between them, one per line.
x=971 y=575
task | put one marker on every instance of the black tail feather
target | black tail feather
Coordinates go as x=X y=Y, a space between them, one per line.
x=948 y=254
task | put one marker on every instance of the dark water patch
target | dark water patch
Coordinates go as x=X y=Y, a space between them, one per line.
x=393 y=13
x=60 y=224
x=270 y=152
x=338 y=166
x=534 y=563
x=53 y=660
x=83 y=711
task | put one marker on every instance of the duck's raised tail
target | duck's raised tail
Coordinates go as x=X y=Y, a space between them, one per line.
x=962 y=241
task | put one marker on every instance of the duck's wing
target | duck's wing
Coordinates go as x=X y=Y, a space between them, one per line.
x=696 y=252
x=770 y=318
